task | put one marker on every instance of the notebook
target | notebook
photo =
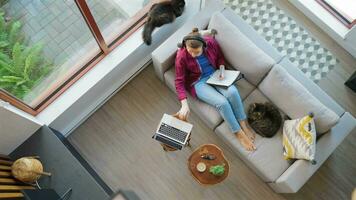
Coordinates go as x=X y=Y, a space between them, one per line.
x=230 y=77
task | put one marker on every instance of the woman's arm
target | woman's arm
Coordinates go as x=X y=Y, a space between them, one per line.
x=180 y=77
x=212 y=43
x=180 y=87
x=184 y=110
x=220 y=60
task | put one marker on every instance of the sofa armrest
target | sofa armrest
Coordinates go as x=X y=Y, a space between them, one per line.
x=163 y=57
x=300 y=171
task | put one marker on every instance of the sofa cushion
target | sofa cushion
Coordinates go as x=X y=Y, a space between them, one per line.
x=208 y=113
x=311 y=86
x=243 y=54
x=267 y=161
x=295 y=100
x=245 y=88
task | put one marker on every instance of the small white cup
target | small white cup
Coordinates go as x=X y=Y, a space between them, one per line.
x=201 y=167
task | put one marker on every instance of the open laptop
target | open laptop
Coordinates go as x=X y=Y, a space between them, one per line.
x=173 y=132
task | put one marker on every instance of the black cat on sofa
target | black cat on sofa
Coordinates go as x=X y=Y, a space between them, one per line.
x=264 y=118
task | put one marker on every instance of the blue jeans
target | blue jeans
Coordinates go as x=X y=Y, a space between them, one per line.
x=226 y=100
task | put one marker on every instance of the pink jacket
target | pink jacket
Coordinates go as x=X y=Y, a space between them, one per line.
x=188 y=70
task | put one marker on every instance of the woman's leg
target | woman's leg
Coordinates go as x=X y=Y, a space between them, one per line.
x=232 y=94
x=209 y=95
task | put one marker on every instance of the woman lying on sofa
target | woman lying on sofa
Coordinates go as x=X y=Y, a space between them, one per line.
x=198 y=58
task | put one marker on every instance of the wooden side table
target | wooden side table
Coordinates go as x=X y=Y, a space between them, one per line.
x=206 y=178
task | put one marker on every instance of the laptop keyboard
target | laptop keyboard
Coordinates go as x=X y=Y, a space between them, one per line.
x=173 y=132
x=168 y=142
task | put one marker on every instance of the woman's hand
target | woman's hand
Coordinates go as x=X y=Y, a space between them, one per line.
x=184 y=111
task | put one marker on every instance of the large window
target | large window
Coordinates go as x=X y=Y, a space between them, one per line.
x=112 y=15
x=46 y=45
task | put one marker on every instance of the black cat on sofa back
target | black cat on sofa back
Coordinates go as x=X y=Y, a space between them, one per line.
x=160 y=14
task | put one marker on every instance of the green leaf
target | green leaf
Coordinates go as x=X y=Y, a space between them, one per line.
x=18 y=58
x=6 y=66
x=2 y=22
x=21 y=82
x=3 y=36
x=32 y=60
x=22 y=66
x=6 y=85
x=4 y=44
x=14 y=33
x=11 y=79
x=25 y=88
x=5 y=58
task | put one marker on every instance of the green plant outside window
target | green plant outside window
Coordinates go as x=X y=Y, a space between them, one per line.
x=22 y=66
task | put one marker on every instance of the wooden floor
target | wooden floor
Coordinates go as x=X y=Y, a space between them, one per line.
x=116 y=141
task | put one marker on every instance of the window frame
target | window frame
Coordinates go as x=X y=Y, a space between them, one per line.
x=51 y=94
x=336 y=14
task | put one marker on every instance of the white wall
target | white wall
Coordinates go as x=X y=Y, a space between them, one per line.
x=14 y=128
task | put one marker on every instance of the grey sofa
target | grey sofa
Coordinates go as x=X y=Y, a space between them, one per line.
x=267 y=161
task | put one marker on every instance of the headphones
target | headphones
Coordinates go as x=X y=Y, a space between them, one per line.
x=193 y=37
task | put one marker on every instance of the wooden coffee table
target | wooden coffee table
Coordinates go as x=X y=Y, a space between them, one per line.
x=206 y=178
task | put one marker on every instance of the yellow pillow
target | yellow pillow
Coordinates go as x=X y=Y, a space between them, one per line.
x=299 y=138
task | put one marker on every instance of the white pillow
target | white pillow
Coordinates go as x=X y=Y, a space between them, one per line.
x=299 y=139
x=295 y=100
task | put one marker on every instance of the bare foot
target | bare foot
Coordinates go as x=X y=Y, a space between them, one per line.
x=250 y=133
x=245 y=141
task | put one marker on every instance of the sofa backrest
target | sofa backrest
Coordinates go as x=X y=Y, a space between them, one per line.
x=311 y=86
x=240 y=51
x=260 y=42
x=252 y=34
x=295 y=100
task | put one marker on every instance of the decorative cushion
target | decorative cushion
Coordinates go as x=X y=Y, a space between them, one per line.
x=239 y=51
x=299 y=138
x=295 y=100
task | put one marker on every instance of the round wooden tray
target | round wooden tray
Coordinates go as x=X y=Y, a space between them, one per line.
x=206 y=178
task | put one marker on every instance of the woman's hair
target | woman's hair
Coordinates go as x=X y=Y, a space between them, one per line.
x=194 y=43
